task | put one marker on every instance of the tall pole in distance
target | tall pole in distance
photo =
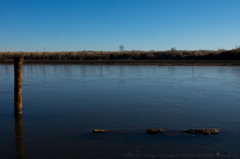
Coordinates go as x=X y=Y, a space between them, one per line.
x=18 y=62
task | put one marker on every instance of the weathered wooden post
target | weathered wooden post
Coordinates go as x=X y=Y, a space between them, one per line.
x=18 y=62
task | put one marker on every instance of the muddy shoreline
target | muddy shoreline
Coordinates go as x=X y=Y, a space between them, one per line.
x=135 y=62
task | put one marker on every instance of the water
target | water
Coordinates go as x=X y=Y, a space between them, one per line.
x=62 y=104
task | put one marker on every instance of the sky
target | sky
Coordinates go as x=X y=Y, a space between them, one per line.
x=104 y=25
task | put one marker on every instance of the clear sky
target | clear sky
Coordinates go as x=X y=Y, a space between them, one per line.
x=103 y=25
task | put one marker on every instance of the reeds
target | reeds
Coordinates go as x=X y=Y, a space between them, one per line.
x=220 y=54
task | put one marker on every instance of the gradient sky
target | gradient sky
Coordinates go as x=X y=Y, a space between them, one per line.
x=103 y=25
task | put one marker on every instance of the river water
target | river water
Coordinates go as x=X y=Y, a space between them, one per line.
x=62 y=104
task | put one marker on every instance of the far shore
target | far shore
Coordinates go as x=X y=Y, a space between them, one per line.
x=134 y=62
x=135 y=57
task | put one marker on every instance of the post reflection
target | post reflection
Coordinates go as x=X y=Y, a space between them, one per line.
x=19 y=137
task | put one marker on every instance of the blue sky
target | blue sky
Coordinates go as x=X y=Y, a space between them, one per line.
x=103 y=25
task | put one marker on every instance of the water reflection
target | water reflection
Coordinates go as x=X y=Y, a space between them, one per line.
x=192 y=71
x=6 y=69
x=121 y=71
x=19 y=137
x=235 y=72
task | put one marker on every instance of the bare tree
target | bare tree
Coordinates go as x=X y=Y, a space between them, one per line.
x=121 y=47
x=173 y=49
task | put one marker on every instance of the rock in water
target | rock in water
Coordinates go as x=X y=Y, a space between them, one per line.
x=154 y=131
x=99 y=131
x=207 y=131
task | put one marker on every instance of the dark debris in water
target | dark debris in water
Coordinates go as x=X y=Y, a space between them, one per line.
x=207 y=131
x=5 y=92
x=99 y=131
x=154 y=131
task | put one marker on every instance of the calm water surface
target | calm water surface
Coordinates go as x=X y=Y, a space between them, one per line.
x=62 y=104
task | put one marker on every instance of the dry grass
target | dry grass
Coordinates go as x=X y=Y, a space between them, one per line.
x=220 y=54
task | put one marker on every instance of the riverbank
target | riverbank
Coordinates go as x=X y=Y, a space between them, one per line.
x=161 y=58
x=135 y=62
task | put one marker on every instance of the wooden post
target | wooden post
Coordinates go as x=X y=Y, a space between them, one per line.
x=18 y=62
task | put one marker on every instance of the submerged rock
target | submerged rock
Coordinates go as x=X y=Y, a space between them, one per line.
x=207 y=131
x=154 y=131
x=99 y=131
